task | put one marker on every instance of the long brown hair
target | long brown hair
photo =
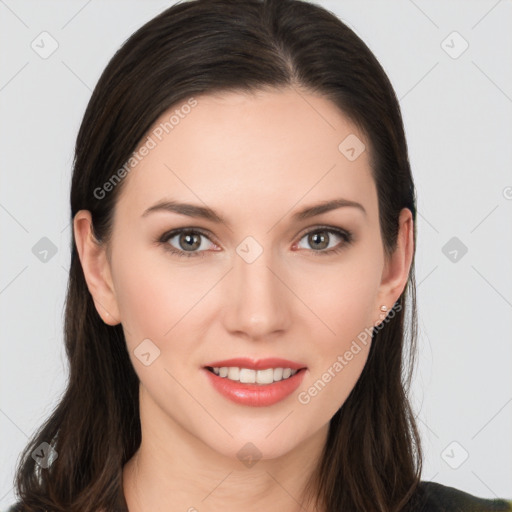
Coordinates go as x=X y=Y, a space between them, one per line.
x=372 y=458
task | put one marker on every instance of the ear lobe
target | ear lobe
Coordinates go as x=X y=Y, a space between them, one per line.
x=96 y=268
x=397 y=267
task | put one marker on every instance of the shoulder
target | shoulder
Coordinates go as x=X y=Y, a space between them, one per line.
x=435 y=497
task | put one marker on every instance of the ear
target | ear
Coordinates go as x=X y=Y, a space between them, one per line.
x=397 y=267
x=96 y=268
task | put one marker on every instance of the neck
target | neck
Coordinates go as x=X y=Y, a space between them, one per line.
x=174 y=470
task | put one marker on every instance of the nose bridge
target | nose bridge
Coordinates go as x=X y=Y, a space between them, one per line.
x=257 y=304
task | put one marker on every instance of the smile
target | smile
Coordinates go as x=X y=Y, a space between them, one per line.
x=249 y=376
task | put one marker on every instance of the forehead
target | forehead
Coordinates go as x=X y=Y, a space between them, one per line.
x=242 y=150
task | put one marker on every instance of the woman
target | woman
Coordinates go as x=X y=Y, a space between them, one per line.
x=243 y=247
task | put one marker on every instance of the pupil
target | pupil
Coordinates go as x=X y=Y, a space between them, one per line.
x=319 y=239
x=189 y=241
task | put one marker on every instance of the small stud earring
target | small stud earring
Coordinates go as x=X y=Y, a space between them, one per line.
x=383 y=314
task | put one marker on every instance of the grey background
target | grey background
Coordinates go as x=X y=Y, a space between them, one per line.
x=457 y=114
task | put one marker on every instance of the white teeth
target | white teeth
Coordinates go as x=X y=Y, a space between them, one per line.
x=249 y=376
x=265 y=376
x=234 y=373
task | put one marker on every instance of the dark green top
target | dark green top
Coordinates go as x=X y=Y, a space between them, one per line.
x=441 y=498
x=431 y=497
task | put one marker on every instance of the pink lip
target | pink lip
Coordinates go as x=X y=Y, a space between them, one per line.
x=259 y=364
x=255 y=395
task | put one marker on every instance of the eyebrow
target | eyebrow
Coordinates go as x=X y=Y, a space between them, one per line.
x=204 y=212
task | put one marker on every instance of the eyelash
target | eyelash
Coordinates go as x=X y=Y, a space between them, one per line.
x=347 y=237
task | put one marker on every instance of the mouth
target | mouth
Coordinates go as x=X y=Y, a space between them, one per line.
x=263 y=371
x=265 y=384
x=251 y=376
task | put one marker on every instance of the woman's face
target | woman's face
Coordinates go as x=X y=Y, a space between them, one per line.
x=265 y=282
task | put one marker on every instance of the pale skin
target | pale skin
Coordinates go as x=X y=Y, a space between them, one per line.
x=256 y=160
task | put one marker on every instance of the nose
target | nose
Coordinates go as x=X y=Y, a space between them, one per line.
x=258 y=300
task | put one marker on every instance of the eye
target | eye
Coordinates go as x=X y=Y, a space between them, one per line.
x=188 y=242
x=321 y=237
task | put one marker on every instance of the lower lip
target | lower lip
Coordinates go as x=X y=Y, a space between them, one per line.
x=256 y=395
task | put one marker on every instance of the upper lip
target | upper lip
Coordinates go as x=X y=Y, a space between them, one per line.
x=257 y=364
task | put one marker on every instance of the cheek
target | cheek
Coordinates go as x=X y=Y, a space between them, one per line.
x=345 y=305
x=152 y=293
x=348 y=316
x=160 y=297
x=343 y=297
